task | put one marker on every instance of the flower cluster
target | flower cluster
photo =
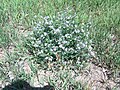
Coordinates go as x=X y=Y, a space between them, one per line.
x=60 y=37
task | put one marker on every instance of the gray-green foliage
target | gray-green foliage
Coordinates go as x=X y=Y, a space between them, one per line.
x=3 y=15
x=65 y=79
x=60 y=36
x=107 y=47
x=4 y=39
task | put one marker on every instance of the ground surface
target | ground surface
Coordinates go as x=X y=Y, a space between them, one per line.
x=92 y=77
x=20 y=15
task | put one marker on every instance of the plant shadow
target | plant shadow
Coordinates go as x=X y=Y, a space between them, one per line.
x=23 y=85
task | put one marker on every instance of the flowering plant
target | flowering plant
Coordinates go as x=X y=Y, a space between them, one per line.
x=59 y=37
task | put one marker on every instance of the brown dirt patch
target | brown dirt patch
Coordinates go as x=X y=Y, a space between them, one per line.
x=92 y=77
x=96 y=78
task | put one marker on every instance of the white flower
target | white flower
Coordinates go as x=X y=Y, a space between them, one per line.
x=63 y=48
x=54 y=48
x=67 y=35
x=41 y=51
x=42 y=35
x=78 y=45
x=50 y=40
x=83 y=23
x=45 y=44
x=46 y=58
x=51 y=27
x=32 y=38
x=60 y=45
x=78 y=59
x=77 y=31
x=47 y=17
x=90 y=48
x=66 y=49
x=67 y=22
x=49 y=45
x=71 y=49
x=81 y=65
x=39 y=42
x=87 y=34
x=36 y=45
x=11 y=76
x=57 y=30
x=65 y=42
x=47 y=22
x=69 y=17
x=82 y=30
x=84 y=45
x=50 y=58
x=45 y=33
x=92 y=53
x=51 y=50
x=90 y=41
x=59 y=42
x=75 y=26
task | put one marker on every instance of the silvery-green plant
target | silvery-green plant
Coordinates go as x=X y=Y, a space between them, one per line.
x=60 y=37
